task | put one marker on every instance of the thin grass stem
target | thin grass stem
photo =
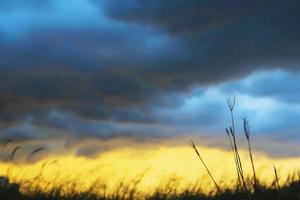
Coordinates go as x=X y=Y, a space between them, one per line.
x=209 y=173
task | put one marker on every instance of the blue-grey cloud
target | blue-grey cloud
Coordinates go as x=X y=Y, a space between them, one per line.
x=137 y=66
x=279 y=85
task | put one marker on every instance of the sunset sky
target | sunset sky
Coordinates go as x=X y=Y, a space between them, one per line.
x=86 y=76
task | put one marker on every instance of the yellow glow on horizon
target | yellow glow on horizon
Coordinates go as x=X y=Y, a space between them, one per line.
x=155 y=165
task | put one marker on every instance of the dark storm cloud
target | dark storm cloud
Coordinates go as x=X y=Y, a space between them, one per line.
x=94 y=95
x=195 y=16
x=128 y=57
x=86 y=70
x=229 y=36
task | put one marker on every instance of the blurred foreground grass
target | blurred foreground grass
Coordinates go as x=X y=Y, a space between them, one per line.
x=8 y=191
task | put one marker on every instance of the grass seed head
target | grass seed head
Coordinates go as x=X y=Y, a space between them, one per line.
x=246 y=127
x=231 y=102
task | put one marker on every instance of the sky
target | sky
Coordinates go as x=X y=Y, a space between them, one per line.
x=147 y=70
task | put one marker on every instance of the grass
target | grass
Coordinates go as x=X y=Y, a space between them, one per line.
x=246 y=187
x=290 y=191
x=252 y=190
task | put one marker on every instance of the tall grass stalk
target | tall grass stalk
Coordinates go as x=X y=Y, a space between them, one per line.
x=11 y=157
x=235 y=159
x=35 y=151
x=231 y=133
x=238 y=158
x=13 y=153
x=247 y=134
x=212 y=178
x=277 y=182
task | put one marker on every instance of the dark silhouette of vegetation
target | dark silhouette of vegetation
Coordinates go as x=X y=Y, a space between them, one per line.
x=291 y=191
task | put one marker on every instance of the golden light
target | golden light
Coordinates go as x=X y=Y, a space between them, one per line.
x=147 y=167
